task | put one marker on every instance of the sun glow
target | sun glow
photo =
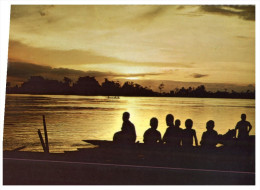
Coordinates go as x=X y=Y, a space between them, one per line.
x=132 y=78
x=189 y=43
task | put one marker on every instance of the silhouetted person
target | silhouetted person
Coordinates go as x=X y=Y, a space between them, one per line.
x=152 y=136
x=129 y=128
x=178 y=132
x=177 y=123
x=209 y=138
x=169 y=123
x=243 y=127
x=120 y=137
x=173 y=133
x=188 y=134
x=127 y=135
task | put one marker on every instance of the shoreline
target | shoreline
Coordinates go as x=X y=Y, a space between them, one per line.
x=162 y=96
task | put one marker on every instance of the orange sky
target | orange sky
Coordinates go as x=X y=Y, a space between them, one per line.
x=211 y=44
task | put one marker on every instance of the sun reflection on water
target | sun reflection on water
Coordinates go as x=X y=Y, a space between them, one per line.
x=71 y=119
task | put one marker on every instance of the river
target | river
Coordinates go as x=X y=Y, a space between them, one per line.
x=71 y=119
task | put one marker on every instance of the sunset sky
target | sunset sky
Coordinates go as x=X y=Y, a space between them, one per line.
x=207 y=44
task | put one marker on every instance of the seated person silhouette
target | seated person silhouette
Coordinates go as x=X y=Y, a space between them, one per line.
x=169 y=123
x=243 y=127
x=173 y=133
x=177 y=123
x=152 y=136
x=120 y=137
x=178 y=132
x=127 y=135
x=209 y=138
x=188 y=134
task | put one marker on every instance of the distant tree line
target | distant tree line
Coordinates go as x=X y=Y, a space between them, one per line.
x=200 y=91
x=90 y=86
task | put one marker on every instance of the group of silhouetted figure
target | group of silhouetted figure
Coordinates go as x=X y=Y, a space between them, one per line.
x=176 y=136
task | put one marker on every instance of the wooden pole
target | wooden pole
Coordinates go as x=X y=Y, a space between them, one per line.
x=41 y=139
x=19 y=148
x=45 y=134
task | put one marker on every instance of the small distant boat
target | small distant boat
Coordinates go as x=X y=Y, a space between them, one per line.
x=113 y=97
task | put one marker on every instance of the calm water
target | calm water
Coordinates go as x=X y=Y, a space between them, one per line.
x=71 y=119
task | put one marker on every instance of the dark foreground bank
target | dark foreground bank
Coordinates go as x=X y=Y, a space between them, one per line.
x=131 y=166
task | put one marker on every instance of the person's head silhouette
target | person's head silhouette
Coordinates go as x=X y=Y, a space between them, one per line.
x=126 y=116
x=210 y=125
x=169 y=119
x=243 y=117
x=177 y=123
x=154 y=123
x=188 y=123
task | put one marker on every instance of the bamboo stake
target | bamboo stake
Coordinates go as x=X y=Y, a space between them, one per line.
x=41 y=139
x=45 y=134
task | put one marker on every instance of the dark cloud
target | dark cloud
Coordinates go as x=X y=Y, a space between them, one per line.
x=197 y=75
x=66 y=57
x=246 y=12
x=76 y=57
x=21 y=71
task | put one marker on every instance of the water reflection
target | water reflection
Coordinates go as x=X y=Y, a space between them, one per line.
x=70 y=119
